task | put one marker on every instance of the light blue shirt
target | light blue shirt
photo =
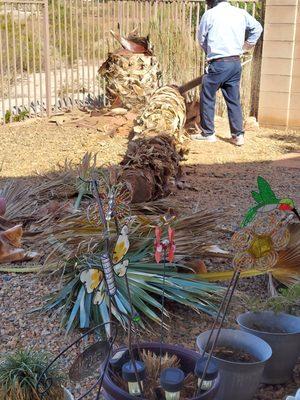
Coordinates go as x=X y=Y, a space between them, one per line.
x=224 y=28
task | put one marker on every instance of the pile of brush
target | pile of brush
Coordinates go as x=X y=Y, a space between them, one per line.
x=131 y=73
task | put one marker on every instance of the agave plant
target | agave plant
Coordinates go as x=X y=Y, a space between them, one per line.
x=19 y=374
x=145 y=281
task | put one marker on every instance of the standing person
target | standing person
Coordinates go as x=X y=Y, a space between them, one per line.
x=225 y=32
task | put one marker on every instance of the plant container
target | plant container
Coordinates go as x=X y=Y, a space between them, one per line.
x=188 y=359
x=68 y=395
x=282 y=332
x=239 y=380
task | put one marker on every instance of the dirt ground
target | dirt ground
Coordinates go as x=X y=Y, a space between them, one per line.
x=219 y=176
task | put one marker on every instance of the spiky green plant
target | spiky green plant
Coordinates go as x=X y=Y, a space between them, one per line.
x=19 y=374
x=145 y=280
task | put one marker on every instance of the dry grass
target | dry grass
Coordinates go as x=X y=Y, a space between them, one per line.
x=153 y=367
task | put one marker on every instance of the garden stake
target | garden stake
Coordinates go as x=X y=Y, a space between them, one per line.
x=225 y=302
x=42 y=393
x=110 y=280
x=165 y=243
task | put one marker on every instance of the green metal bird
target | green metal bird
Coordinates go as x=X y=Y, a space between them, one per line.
x=267 y=201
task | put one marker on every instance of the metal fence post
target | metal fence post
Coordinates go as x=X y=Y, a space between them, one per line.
x=47 y=58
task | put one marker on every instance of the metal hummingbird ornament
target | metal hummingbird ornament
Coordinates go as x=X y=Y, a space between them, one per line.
x=266 y=201
x=264 y=231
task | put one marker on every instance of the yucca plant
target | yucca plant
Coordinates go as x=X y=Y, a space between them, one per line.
x=145 y=280
x=20 y=372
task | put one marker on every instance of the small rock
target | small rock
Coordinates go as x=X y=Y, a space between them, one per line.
x=251 y=124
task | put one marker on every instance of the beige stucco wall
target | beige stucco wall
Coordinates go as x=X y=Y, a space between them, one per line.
x=279 y=103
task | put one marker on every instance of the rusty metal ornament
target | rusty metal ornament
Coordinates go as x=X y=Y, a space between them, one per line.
x=89 y=361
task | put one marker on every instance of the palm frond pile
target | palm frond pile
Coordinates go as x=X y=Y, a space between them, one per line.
x=164 y=113
x=130 y=78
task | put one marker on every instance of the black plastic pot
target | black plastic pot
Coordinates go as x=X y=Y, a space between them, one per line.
x=187 y=359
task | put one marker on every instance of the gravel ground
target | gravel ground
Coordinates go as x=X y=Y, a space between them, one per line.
x=221 y=175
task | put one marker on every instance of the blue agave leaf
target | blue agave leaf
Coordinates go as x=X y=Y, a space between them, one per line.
x=75 y=308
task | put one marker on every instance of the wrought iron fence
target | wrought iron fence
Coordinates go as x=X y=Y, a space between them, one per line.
x=50 y=50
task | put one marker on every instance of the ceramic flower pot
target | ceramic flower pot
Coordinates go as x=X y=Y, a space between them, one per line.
x=239 y=380
x=282 y=332
x=187 y=359
x=68 y=395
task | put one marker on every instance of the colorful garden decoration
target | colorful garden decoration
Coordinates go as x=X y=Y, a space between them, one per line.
x=264 y=232
x=268 y=241
x=267 y=201
x=257 y=245
x=100 y=273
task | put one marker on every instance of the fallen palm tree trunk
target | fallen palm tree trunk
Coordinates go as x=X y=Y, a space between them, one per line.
x=151 y=167
x=165 y=113
x=152 y=162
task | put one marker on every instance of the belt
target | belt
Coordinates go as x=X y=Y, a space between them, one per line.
x=230 y=58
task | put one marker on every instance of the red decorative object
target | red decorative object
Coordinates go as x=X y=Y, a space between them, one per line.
x=158 y=247
x=167 y=245
x=285 y=207
x=172 y=246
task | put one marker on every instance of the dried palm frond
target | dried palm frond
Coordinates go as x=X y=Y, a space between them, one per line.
x=25 y=201
x=79 y=233
x=150 y=168
x=130 y=78
x=287 y=269
x=20 y=201
x=164 y=112
x=195 y=233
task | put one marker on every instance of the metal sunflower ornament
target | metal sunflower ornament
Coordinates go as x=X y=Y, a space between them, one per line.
x=258 y=244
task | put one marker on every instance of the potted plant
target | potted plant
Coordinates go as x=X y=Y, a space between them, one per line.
x=279 y=329
x=115 y=389
x=19 y=373
x=241 y=358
